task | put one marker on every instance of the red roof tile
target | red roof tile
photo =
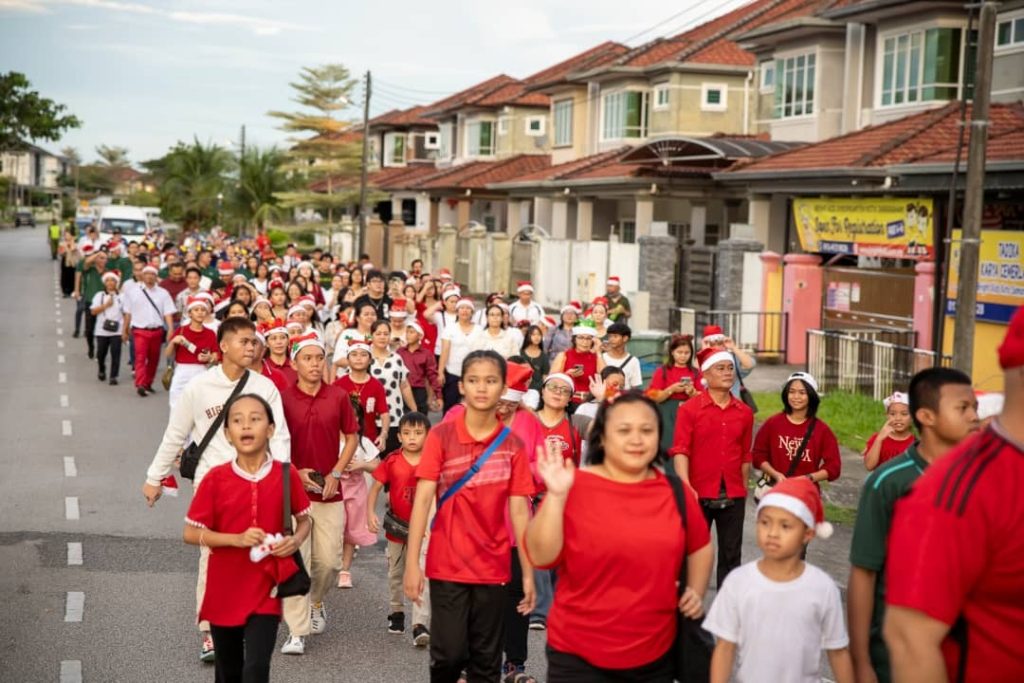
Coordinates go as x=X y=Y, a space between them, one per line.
x=569 y=168
x=470 y=94
x=403 y=117
x=479 y=174
x=588 y=59
x=513 y=93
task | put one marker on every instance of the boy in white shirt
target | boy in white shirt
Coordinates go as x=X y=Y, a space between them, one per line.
x=779 y=611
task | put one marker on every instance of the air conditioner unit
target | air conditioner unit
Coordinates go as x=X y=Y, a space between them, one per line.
x=432 y=141
x=540 y=142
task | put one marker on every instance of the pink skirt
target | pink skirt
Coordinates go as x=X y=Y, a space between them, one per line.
x=354 y=493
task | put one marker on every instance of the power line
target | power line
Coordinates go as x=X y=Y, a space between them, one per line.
x=665 y=21
x=692 y=23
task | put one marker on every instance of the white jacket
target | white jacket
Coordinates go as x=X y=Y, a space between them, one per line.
x=197 y=407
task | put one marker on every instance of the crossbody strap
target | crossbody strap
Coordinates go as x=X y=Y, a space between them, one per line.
x=474 y=468
x=219 y=420
x=680 y=495
x=803 y=447
x=151 y=302
x=286 y=476
x=572 y=439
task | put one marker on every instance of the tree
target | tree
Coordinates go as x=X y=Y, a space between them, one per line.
x=191 y=177
x=113 y=156
x=332 y=153
x=25 y=116
x=261 y=178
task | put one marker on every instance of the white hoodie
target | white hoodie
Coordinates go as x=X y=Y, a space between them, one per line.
x=197 y=407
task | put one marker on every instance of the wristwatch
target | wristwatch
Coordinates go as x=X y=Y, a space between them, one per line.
x=336 y=474
x=811 y=477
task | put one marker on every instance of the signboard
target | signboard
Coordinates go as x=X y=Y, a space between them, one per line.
x=866 y=226
x=1000 y=275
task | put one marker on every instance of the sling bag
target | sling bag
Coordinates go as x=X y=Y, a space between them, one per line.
x=190 y=457
x=299 y=582
x=474 y=468
x=764 y=484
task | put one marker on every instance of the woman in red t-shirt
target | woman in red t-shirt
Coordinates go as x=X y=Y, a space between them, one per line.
x=194 y=346
x=613 y=532
x=239 y=505
x=894 y=437
x=582 y=362
x=779 y=439
x=555 y=395
x=674 y=382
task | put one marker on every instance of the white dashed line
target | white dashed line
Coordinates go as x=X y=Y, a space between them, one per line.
x=65 y=427
x=71 y=508
x=59 y=331
x=64 y=402
x=70 y=468
x=74 y=554
x=62 y=377
x=60 y=343
x=60 y=358
x=75 y=607
x=71 y=671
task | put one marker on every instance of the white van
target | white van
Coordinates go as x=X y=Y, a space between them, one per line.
x=130 y=221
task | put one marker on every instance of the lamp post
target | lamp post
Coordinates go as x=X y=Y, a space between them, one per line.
x=220 y=201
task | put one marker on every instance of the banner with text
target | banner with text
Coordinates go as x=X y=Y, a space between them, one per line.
x=1000 y=275
x=866 y=226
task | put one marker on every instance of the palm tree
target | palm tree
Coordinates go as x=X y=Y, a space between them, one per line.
x=191 y=179
x=261 y=176
x=113 y=156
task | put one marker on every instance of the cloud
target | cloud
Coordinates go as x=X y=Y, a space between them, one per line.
x=28 y=6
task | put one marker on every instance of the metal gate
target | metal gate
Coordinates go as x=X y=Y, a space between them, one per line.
x=462 y=247
x=698 y=277
x=522 y=263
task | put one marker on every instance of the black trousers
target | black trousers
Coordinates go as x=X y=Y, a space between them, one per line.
x=466 y=631
x=450 y=393
x=244 y=652
x=67 y=280
x=392 y=443
x=566 y=668
x=517 y=626
x=80 y=307
x=729 y=526
x=419 y=394
x=90 y=330
x=114 y=344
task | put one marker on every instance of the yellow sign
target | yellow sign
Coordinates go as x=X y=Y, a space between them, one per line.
x=890 y=227
x=1000 y=275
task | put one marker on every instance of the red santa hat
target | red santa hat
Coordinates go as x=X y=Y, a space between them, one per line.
x=221 y=304
x=112 y=275
x=260 y=301
x=87 y=248
x=712 y=333
x=549 y=321
x=451 y=290
x=194 y=301
x=1011 y=351
x=562 y=377
x=224 y=269
x=397 y=309
x=614 y=281
x=524 y=286
x=151 y=269
x=600 y=301
x=413 y=325
x=276 y=326
x=707 y=358
x=800 y=497
x=307 y=300
x=297 y=308
x=357 y=345
x=311 y=339
x=294 y=326
x=169 y=485
x=517 y=382
x=274 y=284
x=465 y=302
x=444 y=275
x=206 y=296
x=574 y=306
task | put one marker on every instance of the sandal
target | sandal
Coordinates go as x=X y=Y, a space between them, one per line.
x=344 y=579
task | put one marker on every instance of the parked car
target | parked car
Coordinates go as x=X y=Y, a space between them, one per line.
x=24 y=218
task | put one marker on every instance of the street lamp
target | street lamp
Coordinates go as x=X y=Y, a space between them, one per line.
x=220 y=201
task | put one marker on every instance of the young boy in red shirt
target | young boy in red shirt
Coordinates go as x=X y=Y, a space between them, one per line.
x=398 y=473
x=469 y=560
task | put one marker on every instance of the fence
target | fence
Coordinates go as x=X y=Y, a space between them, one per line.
x=760 y=332
x=841 y=361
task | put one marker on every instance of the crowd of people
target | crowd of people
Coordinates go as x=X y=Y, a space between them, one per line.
x=525 y=475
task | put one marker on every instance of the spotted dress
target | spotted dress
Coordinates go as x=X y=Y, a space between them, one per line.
x=391 y=372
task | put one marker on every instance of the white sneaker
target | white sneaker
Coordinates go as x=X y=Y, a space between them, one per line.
x=318 y=618
x=295 y=645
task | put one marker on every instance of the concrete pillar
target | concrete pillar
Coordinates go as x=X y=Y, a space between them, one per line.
x=802 y=282
x=374 y=240
x=657 y=277
x=698 y=223
x=759 y=216
x=584 y=220
x=463 y=213
x=559 y=218
x=729 y=272
x=644 y=216
x=513 y=215
x=446 y=248
x=924 y=298
x=542 y=212
x=395 y=257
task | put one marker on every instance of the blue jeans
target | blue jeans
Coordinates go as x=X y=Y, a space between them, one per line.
x=544 y=582
x=79 y=313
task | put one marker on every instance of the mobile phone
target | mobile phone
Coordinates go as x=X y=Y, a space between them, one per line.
x=318 y=479
x=686 y=380
x=578 y=366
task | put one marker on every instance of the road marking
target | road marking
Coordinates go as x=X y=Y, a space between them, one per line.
x=70 y=468
x=60 y=343
x=65 y=427
x=62 y=377
x=74 y=554
x=71 y=671
x=71 y=508
x=59 y=331
x=60 y=358
x=64 y=402
x=75 y=606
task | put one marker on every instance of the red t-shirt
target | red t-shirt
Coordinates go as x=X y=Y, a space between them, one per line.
x=429 y=330
x=469 y=543
x=569 y=437
x=269 y=370
x=400 y=476
x=890 y=447
x=778 y=440
x=316 y=424
x=285 y=369
x=371 y=397
x=717 y=443
x=615 y=606
x=589 y=363
x=956 y=550
x=231 y=501
x=663 y=379
x=204 y=340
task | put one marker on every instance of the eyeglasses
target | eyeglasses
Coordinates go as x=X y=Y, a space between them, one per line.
x=558 y=390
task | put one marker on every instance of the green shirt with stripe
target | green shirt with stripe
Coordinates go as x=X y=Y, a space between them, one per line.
x=882 y=489
x=92 y=281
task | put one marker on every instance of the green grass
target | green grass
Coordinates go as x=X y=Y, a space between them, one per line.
x=840 y=515
x=852 y=418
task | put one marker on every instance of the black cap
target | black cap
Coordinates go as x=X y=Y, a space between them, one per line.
x=620 y=328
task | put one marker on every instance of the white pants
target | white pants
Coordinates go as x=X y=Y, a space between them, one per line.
x=183 y=373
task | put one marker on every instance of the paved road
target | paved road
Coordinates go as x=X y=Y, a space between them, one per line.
x=95 y=582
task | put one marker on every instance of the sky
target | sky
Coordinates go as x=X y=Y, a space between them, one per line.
x=145 y=74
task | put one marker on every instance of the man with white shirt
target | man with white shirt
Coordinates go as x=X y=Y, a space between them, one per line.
x=195 y=412
x=526 y=309
x=148 y=317
x=618 y=356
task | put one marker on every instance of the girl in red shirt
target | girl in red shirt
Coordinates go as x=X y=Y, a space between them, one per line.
x=779 y=439
x=614 y=613
x=194 y=346
x=239 y=504
x=673 y=383
x=894 y=437
x=582 y=362
x=276 y=360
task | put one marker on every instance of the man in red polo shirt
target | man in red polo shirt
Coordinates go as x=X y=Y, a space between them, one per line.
x=318 y=414
x=711 y=452
x=955 y=599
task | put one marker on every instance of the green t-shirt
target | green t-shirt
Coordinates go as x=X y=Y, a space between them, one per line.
x=122 y=265
x=92 y=282
x=882 y=489
x=619 y=310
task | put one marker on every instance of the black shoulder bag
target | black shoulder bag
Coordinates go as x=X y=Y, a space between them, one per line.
x=692 y=650
x=765 y=483
x=299 y=582
x=190 y=456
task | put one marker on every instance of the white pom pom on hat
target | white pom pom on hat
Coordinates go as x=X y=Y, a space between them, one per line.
x=799 y=496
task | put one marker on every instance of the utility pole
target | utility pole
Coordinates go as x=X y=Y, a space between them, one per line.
x=242 y=145
x=974 y=196
x=364 y=215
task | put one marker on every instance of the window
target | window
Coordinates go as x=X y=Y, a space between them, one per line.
x=1010 y=32
x=503 y=125
x=394 y=149
x=921 y=66
x=447 y=149
x=628 y=234
x=432 y=141
x=794 y=86
x=713 y=96
x=767 y=76
x=535 y=126
x=625 y=115
x=661 y=92
x=480 y=138
x=563 y=123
